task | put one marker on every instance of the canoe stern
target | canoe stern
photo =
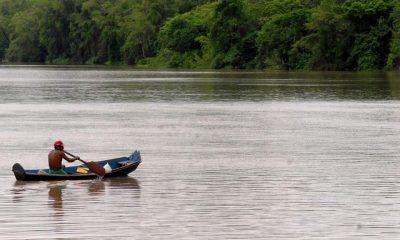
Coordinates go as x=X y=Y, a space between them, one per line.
x=19 y=171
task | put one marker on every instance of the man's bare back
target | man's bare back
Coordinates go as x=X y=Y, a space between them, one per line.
x=55 y=159
x=57 y=155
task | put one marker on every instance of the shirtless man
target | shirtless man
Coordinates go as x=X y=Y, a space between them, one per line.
x=55 y=158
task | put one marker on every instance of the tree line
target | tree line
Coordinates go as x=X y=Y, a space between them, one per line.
x=224 y=34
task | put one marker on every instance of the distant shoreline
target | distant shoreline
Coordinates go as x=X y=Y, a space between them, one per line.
x=204 y=34
x=160 y=69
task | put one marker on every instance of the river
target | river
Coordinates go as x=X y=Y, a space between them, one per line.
x=226 y=155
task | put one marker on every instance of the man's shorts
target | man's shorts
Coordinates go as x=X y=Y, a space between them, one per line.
x=59 y=171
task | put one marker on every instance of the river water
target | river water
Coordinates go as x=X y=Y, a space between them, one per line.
x=226 y=155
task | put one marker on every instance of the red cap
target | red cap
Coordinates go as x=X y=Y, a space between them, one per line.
x=58 y=144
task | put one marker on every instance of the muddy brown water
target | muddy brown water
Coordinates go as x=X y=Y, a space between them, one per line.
x=226 y=155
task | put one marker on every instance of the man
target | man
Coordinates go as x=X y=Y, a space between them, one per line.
x=55 y=158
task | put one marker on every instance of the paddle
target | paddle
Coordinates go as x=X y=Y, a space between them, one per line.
x=94 y=167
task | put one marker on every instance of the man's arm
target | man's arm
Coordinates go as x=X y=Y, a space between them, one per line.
x=68 y=158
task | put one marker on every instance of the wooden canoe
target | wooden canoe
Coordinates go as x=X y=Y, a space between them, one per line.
x=118 y=167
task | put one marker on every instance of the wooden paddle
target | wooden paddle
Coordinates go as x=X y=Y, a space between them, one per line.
x=94 y=167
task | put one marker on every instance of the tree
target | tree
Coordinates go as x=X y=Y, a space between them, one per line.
x=182 y=41
x=83 y=37
x=54 y=25
x=8 y=8
x=278 y=35
x=232 y=35
x=284 y=34
x=139 y=38
x=371 y=23
x=24 y=41
x=4 y=40
x=327 y=44
x=370 y=49
x=393 y=61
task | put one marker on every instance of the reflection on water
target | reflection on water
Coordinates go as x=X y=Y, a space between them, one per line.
x=96 y=187
x=227 y=155
x=55 y=196
x=82 y=85
x=69 y=205
x=123 y=183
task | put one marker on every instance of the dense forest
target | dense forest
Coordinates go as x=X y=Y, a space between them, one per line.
x=232 y=34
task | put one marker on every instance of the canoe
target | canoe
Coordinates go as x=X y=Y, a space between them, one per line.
x=117 y=167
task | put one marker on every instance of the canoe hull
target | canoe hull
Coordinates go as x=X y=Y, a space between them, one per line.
x=120 y=167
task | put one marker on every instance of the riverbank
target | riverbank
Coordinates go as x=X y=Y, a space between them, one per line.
x=205 y=34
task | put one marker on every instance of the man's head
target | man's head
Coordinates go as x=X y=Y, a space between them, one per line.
x=59 y=145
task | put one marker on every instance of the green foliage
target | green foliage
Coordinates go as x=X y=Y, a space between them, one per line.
x=24 y=40
x=182 y=39
x=140 y=34
x=183 y=6
x=232 y=35
x=393 y=61
x=82 y=31
x=369 y=48
x=4 y=41
x=272 y=34
x=54 y=22
x=180 y=34
x=278 y=35
x=8 y=8
x=328 y=37
x=338 y=35
x=371 y=23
